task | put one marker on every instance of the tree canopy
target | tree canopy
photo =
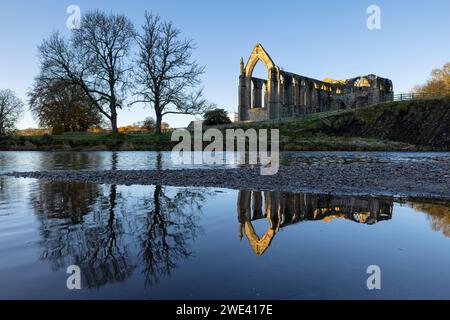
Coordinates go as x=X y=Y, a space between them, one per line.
x=439 y=83
x=11 y=109
x=94 y=59
x=62 y=106
x=167 y=78
x=216 y=116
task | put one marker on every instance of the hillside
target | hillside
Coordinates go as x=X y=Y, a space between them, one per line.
x=407 y=125
x=395 y=126
x=423 y=123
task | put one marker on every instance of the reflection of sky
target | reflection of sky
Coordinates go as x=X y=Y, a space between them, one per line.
x=310 y=259
x=316 y=39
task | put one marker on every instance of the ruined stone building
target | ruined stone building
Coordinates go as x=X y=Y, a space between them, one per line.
x=286 y=94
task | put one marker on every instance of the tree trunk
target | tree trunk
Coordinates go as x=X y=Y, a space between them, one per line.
x=114 y=124
x=158 y=122
x=114 y=119
x=157 y=200
x=113 y=109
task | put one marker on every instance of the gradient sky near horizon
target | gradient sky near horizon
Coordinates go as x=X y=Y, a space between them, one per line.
x=313 y=38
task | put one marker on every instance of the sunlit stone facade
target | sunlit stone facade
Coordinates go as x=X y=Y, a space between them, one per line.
x=285 y=94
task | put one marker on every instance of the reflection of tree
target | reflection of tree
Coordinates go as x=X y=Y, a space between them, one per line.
x=170 y=225
x=99 y=229
x=69 y=236
x=438 y=213
x=107 y=257
x=7 y=189
x=158 y=165
x=70 y=160
x=69 y=200
x=114 y=160
x=283 y=209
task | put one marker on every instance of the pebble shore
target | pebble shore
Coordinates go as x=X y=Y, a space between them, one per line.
x=430 y=179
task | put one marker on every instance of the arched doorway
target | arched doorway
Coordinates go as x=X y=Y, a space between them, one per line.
x=257 y=94
x=258 y=85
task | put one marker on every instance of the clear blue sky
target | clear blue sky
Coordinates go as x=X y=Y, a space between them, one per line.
x=312 y=38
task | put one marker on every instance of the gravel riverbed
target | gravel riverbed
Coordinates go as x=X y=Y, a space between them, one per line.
x=414 y=179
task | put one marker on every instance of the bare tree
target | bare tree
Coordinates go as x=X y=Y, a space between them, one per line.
x=166 y=76
x=94 y=59
x=11 y=109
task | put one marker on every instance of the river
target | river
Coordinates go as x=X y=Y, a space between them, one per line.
x=159 y=242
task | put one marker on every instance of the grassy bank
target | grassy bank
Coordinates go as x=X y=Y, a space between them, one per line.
x=408 y=125
x=88 y=142
x=413 y=126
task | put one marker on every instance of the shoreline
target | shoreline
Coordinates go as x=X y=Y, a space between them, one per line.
x=398 y=179
x=346 y=144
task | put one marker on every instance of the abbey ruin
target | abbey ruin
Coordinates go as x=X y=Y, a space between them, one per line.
x=285 y=94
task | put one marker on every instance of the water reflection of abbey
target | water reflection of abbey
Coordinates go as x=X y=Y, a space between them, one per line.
x=283 y=209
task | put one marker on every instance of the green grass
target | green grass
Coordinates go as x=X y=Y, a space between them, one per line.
x=385 y=127
x=109 y=137
x=88 y=141
x=408 y=125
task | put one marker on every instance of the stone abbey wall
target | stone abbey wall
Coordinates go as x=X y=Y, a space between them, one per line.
x=286 y=94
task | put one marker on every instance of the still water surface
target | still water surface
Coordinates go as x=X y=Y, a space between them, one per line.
x=157 y=242
x=135 y=160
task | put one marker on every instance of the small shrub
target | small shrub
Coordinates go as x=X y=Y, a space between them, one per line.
x=216 y=116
